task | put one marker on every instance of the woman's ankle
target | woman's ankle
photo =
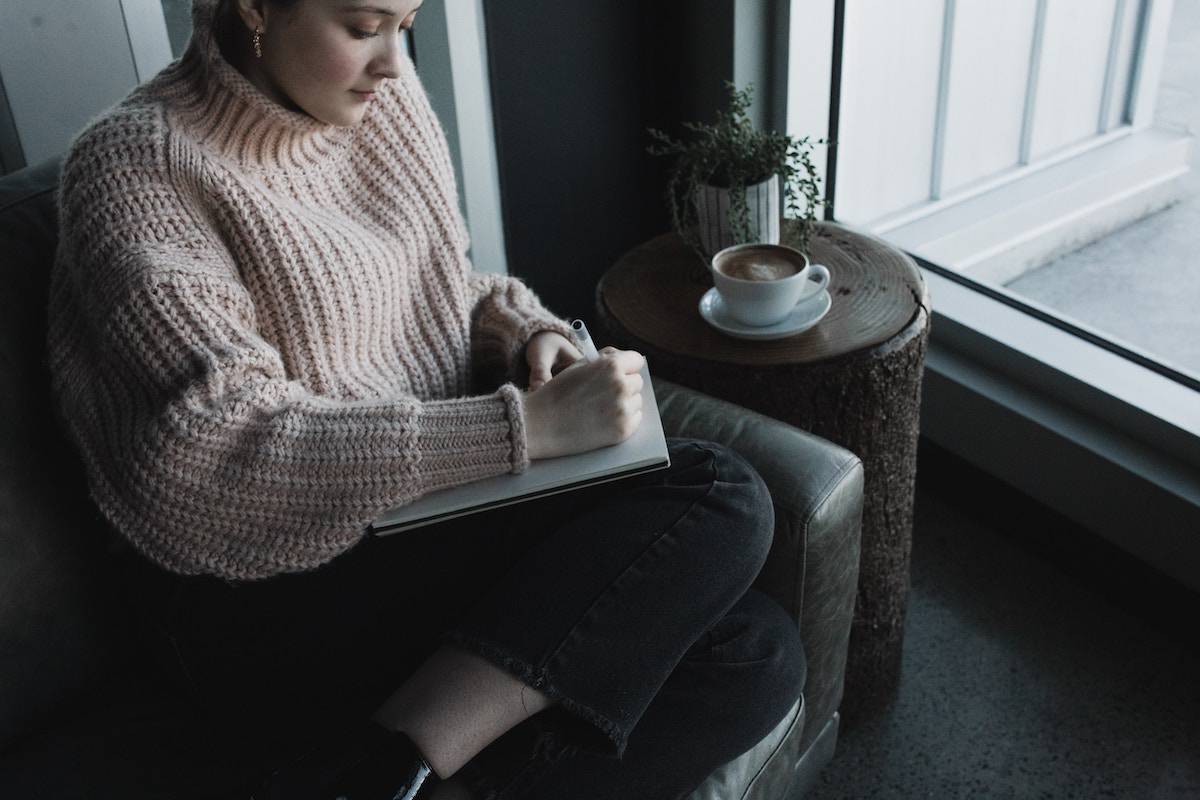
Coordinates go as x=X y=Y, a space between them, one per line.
x=393 y=764
x=453 y=789
x=439 y=767
x=456 y=704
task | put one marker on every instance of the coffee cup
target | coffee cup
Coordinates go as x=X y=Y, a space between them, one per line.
x=760 y=284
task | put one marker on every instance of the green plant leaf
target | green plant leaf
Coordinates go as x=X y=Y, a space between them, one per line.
x=732 y=154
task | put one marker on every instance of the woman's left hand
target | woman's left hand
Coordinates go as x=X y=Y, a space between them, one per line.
x=547 y=353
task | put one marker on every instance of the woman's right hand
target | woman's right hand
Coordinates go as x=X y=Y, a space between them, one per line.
x=588 y=405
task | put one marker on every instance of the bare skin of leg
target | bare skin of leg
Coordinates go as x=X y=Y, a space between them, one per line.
x=455 y=705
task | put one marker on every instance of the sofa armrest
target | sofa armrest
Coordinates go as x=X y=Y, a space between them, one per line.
x=817 y=491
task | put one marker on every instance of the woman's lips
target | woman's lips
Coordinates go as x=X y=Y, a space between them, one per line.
x=363 y=95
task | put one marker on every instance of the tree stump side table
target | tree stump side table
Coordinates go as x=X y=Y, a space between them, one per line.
x=854 y=379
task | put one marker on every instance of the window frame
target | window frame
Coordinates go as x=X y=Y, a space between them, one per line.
x=450 y=52
x=1101 y=432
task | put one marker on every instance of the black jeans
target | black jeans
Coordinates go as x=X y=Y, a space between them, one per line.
x=628 y=603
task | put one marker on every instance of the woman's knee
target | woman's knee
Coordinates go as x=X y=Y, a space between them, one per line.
x=755 y=656
x=783 y=670
x=744 y=500
x=778 y=641
x=759 y=632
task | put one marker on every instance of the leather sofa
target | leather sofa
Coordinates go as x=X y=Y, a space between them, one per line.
x=81 y=716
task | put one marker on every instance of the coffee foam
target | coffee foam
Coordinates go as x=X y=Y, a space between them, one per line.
x=754 y=264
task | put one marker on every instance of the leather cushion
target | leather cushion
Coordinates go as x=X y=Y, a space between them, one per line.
x=56 y=627
x=817 y=490
x=131 y=740
x=753 y=774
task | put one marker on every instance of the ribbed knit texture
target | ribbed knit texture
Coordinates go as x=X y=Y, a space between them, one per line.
x=264 y=330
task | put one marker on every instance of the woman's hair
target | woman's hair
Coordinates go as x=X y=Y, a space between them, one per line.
x=225 y=7
x=227 y=27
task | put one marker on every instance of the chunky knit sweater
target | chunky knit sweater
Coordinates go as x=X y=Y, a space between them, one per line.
x=264 y=331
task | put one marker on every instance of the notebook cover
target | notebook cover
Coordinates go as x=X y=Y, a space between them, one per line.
x=644 y=451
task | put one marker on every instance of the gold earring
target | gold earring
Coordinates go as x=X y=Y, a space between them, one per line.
x=257 y=42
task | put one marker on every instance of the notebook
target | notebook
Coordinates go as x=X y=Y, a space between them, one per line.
x=644 y=451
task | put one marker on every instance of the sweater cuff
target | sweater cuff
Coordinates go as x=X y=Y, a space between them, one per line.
x=514 y=401
x=466 y=439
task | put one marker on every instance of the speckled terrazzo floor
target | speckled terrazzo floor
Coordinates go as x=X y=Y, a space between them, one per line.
x=1039 y=662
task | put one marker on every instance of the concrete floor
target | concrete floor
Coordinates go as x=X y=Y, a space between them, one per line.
x=1141 y=284
x=1039 y=662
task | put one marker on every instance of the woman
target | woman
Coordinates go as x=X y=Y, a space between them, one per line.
x=264 y=332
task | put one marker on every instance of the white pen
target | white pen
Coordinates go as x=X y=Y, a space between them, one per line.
x=583 y=340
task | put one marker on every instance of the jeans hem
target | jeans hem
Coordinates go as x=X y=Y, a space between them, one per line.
x=553 y=747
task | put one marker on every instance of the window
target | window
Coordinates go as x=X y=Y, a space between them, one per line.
x=61 y=64
x=1035 y=157
x=1027 y=149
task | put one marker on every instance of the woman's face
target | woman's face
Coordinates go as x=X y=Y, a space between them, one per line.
x=326 y=57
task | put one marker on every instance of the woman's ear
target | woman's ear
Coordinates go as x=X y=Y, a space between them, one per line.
x=251 y=12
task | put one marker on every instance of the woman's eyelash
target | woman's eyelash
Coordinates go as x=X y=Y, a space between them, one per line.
x=360 y=34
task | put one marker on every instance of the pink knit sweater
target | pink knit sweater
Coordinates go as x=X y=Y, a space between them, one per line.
x=264 y=331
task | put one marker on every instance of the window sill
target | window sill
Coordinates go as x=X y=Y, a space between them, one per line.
x=1011 y=224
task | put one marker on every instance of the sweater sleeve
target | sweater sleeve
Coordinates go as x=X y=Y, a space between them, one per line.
x=505 y=315
x=199 y=446
x=203 y=453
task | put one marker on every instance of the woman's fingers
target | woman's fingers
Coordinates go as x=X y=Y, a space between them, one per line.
x=634 y=384
x=629 y=361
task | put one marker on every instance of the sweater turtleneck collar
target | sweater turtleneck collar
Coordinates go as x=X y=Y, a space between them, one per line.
x=228 y=114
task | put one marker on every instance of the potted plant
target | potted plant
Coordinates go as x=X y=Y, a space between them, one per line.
x=724 y=183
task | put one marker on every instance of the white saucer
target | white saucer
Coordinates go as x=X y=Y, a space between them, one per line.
x=806 y=314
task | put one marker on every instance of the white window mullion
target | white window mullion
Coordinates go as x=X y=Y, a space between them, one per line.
x=1035 y=63
x=939 y=125
x=809 y=75
x=1110 y=69
x=1151 y=53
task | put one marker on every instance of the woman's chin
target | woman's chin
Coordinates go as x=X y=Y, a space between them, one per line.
x=352 y=118
x=339 y=117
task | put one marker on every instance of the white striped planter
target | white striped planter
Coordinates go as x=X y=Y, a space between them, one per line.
x=713 y=207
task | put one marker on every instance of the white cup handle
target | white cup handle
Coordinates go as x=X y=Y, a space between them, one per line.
x=818 y=274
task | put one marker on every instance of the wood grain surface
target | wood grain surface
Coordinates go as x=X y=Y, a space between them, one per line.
x=654 y=293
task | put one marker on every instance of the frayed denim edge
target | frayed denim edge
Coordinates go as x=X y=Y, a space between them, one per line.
x=552 y=748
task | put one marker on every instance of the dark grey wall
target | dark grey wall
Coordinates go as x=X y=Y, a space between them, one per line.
x=12 y=157
x=574 y=87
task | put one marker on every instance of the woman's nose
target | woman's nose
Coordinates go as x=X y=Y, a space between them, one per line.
x=387 y=65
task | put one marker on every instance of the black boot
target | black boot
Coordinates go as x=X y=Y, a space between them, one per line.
x=366 y=762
